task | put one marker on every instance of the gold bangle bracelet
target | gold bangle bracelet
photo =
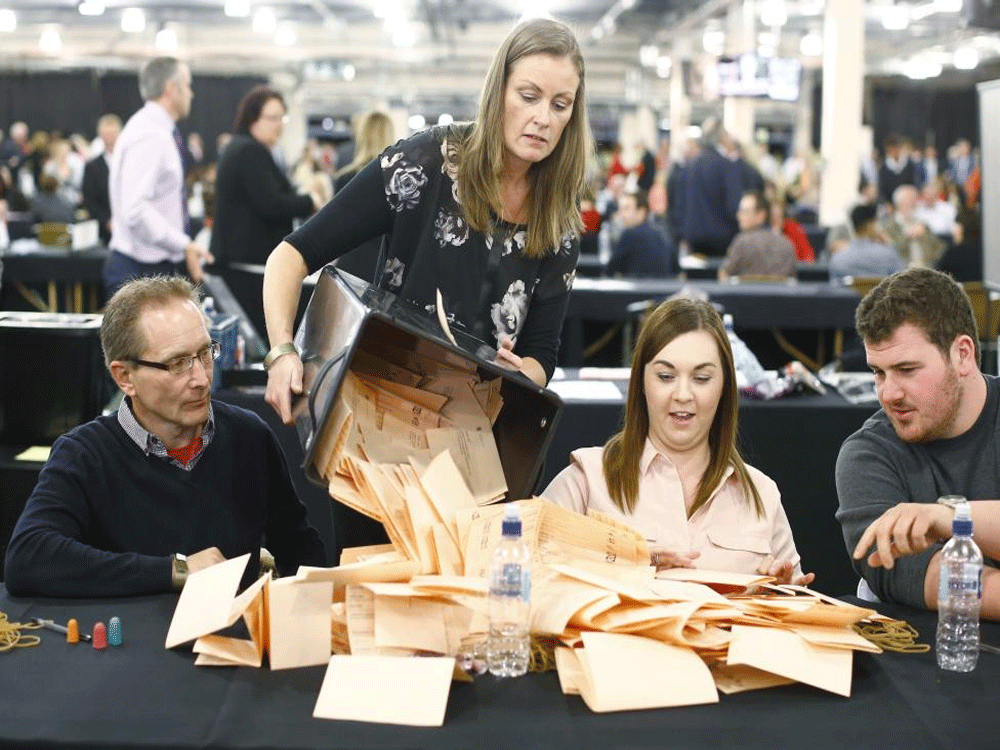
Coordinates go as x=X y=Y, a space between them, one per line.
x=279 y=351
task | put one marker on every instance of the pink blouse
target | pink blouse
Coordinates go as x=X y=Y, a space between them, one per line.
x=726 y=530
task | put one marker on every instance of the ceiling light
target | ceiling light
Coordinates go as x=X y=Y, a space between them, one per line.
x=404 y=36
x=663 y=66
x=348 y=72
x=811 y=7
x=445 y=119
x=133 y=21
x=627 y=4
x=416 y=122
x=966 y=58
x=811 y=45
x=50 y=42
x=773 y=13
x=714 y=41
x=385 y=8
x=264 y=21
x=285 y=35
x=166 y=39
x=920 y=69
x=237 y=8
x=648 y=55
x=597 y=33
x=767 y=39
x=895 y=17
x=8 y=20
x=948 y=6
x=91 y=8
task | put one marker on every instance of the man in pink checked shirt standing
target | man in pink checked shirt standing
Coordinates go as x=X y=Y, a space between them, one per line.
x=146 y=183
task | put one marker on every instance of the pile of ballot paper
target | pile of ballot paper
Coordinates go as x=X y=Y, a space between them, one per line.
x=397 y=410
x=408 y=442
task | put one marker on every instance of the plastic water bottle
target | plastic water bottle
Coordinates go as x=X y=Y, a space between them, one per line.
x=744 y=360
x=959 y=596
x=508 y=646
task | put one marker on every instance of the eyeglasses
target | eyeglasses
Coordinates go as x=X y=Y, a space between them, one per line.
x=181 y=365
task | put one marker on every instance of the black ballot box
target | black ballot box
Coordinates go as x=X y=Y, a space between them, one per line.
x=52 y=376
x=347 y=316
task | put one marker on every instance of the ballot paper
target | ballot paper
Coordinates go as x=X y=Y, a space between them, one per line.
x=626 y=672
x=386 y=690
x=788 y=654
x=206 y=601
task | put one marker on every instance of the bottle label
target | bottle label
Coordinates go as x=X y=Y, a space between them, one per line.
x=513 y=580
x=970 y=578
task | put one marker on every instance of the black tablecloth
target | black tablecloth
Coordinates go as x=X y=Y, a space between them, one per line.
x=54 y=264
x=794 y=440
x=141 y=696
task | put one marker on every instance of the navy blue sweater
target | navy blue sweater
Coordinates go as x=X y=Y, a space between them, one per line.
x=105 y=519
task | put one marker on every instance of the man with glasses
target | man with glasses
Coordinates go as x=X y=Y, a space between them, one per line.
x=124 y=497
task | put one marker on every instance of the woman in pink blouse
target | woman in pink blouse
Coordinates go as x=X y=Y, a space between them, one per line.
x=674 y=472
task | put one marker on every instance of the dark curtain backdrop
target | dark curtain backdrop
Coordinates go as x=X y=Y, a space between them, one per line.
x=72 y=101
x=928 y=116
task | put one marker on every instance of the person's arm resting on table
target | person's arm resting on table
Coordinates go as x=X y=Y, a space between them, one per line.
x=47 y=554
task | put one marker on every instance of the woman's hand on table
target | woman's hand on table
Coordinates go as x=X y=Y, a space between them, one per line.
x=783 y=572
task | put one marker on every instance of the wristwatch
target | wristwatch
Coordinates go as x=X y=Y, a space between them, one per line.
x=178 y=571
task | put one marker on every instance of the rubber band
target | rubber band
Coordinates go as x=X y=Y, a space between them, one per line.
x=11 y=636
x=892 y=635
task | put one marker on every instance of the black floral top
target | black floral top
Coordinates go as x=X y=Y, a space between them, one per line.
x=488 y=286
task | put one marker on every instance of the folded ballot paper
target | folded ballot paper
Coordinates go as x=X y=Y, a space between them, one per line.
x=287 y=619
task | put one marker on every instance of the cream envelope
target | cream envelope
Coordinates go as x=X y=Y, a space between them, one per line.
x=787 y=654
x=569 y=670
x=820 y=635
x=298 y=617
x=720 y=580
x=626 y=672
x=386 y=690
x=206 y=601
x=738 y=678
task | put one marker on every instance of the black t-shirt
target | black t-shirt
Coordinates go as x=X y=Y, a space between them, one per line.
x=489 y=287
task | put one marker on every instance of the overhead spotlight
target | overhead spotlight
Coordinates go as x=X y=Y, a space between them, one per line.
x=895 y=17
x=948 y=6
x=445 y=119
x=628 y=4
x=534 y=9
x=264 y=21
x=597 y=33
x=920 y=69
x=91 y=8
x=811 y=7
x=237 y=8
x=385 y=8
x=133 y=21
x=348 y=72
x=663 y=66
x=50 y=42
x=417 y=122
x=166 y=39
x=811 y=45
x=285 y=35
x=773 y=13
x=966 y=58
x=8 y=20
x=714 y=41
x=648 y=55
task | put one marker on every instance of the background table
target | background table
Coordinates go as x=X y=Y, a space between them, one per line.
x=141 y=696
x=79 y=271
x=794 y=440
x=811 y=306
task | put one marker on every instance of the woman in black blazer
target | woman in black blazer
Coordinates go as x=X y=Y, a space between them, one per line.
x=254 y=201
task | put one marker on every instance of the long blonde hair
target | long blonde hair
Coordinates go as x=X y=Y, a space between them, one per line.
x=623 y=452
x=557 y=181
x=375 y=133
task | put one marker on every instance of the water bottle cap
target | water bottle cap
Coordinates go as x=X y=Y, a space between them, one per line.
x=511 y=521
x=961 y=527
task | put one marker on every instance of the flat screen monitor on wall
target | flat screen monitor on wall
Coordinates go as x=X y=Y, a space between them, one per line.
x=750 y=74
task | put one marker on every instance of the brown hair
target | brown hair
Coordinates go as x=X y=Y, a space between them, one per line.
x=250 y=106
x=931 y=300
x=121 y=338
x=623 y=451
x=557 y=181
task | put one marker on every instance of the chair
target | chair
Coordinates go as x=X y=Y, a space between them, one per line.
x=986 y=310
x=53 y=234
